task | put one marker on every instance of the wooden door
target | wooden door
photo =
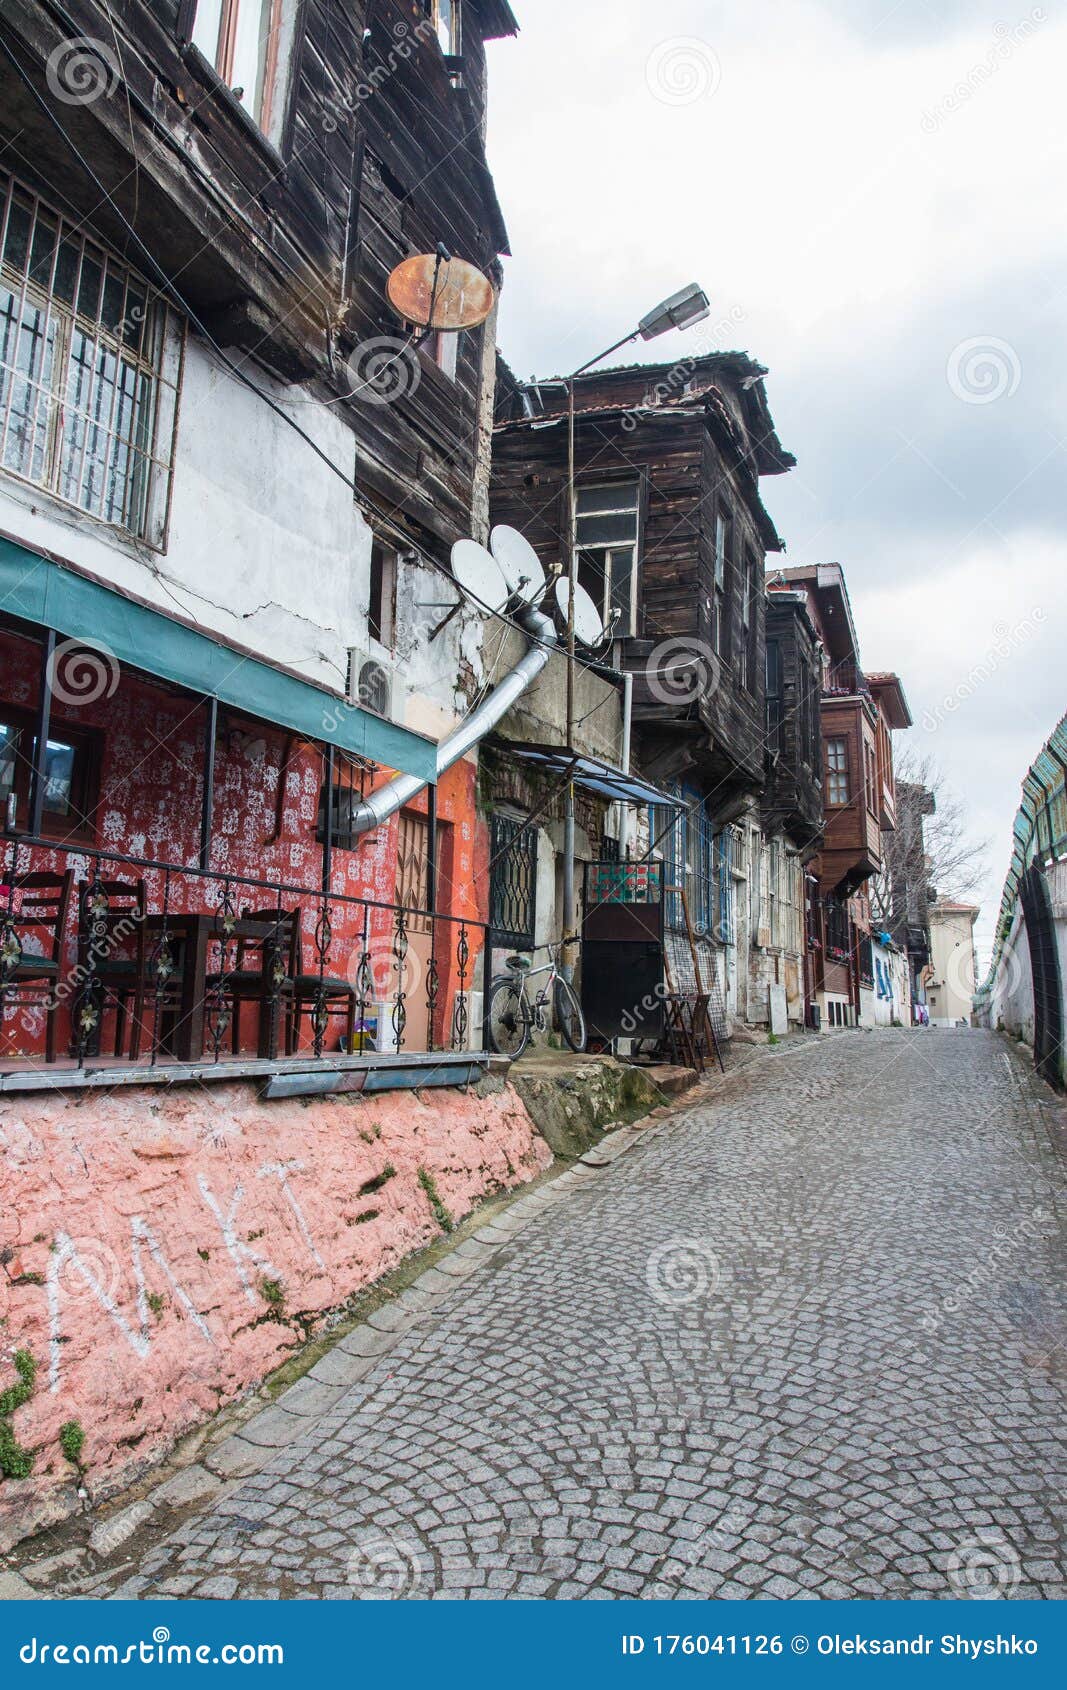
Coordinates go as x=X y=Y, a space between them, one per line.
x=413 y=893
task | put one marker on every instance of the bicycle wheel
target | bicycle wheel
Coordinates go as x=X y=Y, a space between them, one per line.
x=508 y=1022
x=569 y=1017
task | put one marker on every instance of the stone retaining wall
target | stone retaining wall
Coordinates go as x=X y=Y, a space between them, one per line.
x=162 y=1251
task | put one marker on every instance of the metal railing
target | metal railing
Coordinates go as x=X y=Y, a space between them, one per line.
x=169 y=964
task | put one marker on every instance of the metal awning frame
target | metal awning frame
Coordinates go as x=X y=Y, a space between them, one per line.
x=590 y=773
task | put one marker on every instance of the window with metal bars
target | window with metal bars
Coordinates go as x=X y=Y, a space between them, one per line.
x=90 y=366
x=512 y=882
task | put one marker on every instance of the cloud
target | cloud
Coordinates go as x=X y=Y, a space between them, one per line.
x=868 y=189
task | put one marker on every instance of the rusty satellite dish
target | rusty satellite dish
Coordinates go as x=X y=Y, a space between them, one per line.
x=433 y=292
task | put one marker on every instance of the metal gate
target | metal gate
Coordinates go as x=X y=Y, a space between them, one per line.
x=622 y=950
x=1045 y=968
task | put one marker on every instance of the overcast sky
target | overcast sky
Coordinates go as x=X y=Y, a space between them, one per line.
x=872 y=196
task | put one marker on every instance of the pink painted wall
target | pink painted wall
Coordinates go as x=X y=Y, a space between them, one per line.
x=139 y=1228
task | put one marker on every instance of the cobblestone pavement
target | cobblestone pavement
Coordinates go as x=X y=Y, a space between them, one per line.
x=801 y=1341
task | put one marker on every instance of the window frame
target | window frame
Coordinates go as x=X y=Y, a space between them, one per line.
x=449 y=36
x=775 y=691
x=838 y=772
x=279 y=72
x=722 y=579
x=79 y=825
x=153 y=368
x=381 y=616
x=605 y=550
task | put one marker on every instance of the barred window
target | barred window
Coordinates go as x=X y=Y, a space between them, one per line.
x=90 y=362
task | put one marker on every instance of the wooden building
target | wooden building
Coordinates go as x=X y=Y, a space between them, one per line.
x=230 y=482
x=858 y=715
x=672 y=536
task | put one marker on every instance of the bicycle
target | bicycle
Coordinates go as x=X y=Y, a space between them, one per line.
x=512 y=1017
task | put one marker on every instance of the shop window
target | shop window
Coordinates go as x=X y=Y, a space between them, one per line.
x=71 y=776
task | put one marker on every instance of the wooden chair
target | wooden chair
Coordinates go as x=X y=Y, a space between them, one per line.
x=40 y=905
x=104 y=947
x=297 y=991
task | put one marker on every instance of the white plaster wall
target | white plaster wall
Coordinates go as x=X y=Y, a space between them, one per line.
x=952 y=958
x=878 y=1011
x=266 y=545
x=1011 y=1004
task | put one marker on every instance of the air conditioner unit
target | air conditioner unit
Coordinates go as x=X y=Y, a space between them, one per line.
x=374 y=685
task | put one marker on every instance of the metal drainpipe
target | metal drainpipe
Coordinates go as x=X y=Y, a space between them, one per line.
x=385 y=802
x=627 y=720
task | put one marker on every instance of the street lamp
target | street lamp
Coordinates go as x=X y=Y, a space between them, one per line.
x=680 y=311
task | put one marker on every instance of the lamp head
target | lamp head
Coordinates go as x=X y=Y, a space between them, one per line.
x=690 y=305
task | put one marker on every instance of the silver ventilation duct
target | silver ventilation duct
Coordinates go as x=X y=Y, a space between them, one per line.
x=402 y=788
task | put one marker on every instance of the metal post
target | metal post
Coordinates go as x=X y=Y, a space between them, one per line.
x=627 y=729
x=40 y=749
x=431 y=849
x=208 y=805
x=566 y=966
x=487 y=981
x=327 y=822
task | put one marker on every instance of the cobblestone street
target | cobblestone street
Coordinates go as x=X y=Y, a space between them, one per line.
x=803 y=1340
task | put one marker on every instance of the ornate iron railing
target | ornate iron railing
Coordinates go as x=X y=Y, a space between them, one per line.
x=159 y=963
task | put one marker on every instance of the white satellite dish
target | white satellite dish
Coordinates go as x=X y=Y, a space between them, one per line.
x=478 y=574
x=588 y=627
x=519 y=563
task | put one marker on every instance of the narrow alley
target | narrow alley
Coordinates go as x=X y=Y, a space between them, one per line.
x=801 y=1342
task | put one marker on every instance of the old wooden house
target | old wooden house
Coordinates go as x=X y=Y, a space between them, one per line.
x=671 y=541
x=858 y=714
x=231 y=476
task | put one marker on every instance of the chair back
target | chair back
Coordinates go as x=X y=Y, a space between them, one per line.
x=286 y=925
x=121 y=918
x=41 y=903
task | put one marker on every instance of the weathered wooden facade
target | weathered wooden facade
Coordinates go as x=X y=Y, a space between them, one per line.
x=672 y=536
x=681 y=451
x=792 y=797
x=858 y=714
x=230 y=479
x=279 y=229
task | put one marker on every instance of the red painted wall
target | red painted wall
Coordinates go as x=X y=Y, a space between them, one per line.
x=150 y=802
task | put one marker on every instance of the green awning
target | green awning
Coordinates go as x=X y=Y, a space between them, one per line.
x=38 y=590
